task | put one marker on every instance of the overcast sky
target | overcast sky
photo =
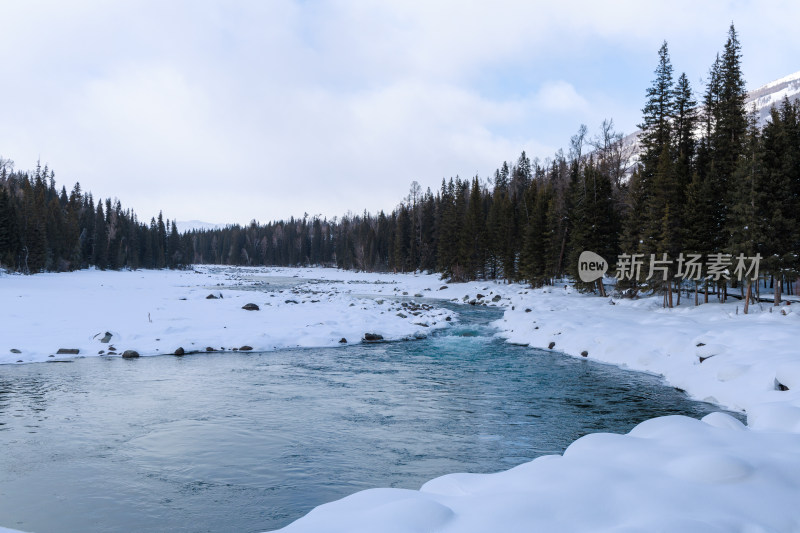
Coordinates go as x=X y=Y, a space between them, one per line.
x=227 y=111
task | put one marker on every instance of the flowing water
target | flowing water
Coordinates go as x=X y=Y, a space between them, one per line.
x=250 y=442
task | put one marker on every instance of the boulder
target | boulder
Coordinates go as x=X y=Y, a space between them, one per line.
x=372 y=337
x=342 y=341
x=210 y=349
x=211 y=297
x=250 y=307
x=443 y=287
x=14 y=350
x=130 y=354
x=551 y=345
x=68 y=351
x=497 y=298
x=245 y=348
x=179 y=351
x=290 y=301
x=585 y=353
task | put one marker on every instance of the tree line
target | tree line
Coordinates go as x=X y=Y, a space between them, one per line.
x=704 y=179
x=44 y=229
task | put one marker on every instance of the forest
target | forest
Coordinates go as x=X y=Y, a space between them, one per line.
x=703 y=178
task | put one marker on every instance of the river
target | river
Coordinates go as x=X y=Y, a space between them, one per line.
x=252 y=441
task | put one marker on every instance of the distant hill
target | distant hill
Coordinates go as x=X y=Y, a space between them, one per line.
x=766 y=96
x=773 y=93
x=189 y=225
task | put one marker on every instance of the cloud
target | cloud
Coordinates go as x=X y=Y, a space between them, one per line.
x=226 y=111
x=560 y=96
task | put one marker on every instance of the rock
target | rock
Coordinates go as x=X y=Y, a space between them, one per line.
x=448 y=319
x=443 y=287
x=372 y=337
x=211 y=297
x=342 y=341
x=68 y=351
x=479 y=296
x=497 y=298
x=19 y=360
x=290 y=301
x=551 y=345
x=51 y=355
x=14 y=350
x=418 y=295
x=106 y=338
x=130 y=354
x=528 y=310
x=473 y=302
x=250 y=307
x=210 y=349
x=245 y=348
x=585 y=353
x=700 y=344
x=101 y=352
x=780 y=386
x=179 y=351
x=401 y=315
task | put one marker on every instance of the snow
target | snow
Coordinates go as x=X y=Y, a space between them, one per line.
x=189 y=225
x=667 y=474
x=780 y=81
x=156 y=312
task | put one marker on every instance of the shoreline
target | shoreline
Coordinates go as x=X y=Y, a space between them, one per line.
x=714 y=474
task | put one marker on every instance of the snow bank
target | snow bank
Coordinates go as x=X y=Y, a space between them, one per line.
x=668 y=474
x=157 y=312
x=743 y=362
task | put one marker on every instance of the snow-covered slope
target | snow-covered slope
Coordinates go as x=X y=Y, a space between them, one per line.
x=189 y=225
x=764 y=98
x=773 y=93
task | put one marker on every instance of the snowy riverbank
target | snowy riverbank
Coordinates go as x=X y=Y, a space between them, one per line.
x=157 y=312
x=668 y=474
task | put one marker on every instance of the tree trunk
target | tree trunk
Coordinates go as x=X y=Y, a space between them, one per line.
x=749 y=295
x=706 y=288
x=778 y=289
x=696 y=295
x=669 y=286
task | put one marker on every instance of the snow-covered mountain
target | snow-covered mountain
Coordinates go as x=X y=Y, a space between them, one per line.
x=766 y=96
x=189 y=225
x=773 y=93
